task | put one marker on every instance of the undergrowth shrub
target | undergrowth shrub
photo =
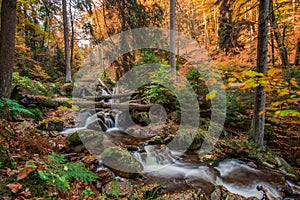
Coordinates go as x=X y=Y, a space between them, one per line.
x=31 y=86
x=59 y=173
x=11 y=109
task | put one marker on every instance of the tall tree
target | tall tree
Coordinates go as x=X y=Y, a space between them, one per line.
x=7 y=45
x=280 y=39
x=258 y=123
x=66 y=41
x=172 y=36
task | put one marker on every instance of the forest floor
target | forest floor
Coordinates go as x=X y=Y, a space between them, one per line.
x=28 y=145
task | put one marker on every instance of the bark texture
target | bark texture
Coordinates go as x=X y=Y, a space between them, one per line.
x=7 y=46
x=258 y=123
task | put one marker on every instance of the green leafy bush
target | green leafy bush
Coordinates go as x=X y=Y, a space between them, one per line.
x=15 y=109
x=59 y=173
x=30 y=86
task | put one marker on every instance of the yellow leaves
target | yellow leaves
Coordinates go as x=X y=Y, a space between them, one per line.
x=285 y=113
x=264 y=82
x=253 y=73
x=62 y=108
x=231 y=80
x=274 y=73
x=250 y=83
x=75 y=108
x=283 y=92
x=294 y=82
x=277 y=103
x=211 y=95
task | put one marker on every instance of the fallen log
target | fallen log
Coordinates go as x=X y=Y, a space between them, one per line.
x=46 y=102
x=120 y=106
x=105 y=97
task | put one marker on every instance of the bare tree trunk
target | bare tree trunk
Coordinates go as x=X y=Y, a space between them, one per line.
x=297 y=56
x=66 y=40
x=172 y=36
x=258 y=124
x=279 y=39
x=7 y=45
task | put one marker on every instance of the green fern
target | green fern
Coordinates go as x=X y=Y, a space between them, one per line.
x=60 y=173
x=15 y=108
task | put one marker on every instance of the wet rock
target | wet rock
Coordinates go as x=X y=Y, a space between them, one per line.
x=132 y=148
x=84 y=138
x=121 y=162
x=51 y=125
x=221 y=193
x=286 y=168
x=141 y=118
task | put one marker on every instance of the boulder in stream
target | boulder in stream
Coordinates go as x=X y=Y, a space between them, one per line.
x=84 y=138
x=121 y=162
x=221 y=193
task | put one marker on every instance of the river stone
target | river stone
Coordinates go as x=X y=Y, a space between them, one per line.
x=121 y=162
x=90 y=138
x=51 y=125
x=221 y=193
x=286 y=168
x=141 y=118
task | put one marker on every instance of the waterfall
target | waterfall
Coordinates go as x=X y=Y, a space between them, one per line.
x=81 y=126
x=109 y=123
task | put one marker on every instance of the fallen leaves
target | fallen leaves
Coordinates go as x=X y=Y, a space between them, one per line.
x=14 y=187
x=25 y=172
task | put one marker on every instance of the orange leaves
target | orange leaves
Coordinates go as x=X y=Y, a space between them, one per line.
x=14 y=187
x=25 y=172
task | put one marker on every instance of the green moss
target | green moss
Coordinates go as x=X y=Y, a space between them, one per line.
x=121 y=162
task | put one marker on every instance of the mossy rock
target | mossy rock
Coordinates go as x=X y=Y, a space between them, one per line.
x=89 y=137
x=221 y=193
x=74 y=139
x=286 y=168
x=51 y=125
x=121 y=162
x=141 y=118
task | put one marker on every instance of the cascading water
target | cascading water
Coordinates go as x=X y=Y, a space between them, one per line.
x=85 y=119
x=236 y=176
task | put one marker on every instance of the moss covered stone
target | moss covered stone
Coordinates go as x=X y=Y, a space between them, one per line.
x=121 y=162
x=90 y=138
